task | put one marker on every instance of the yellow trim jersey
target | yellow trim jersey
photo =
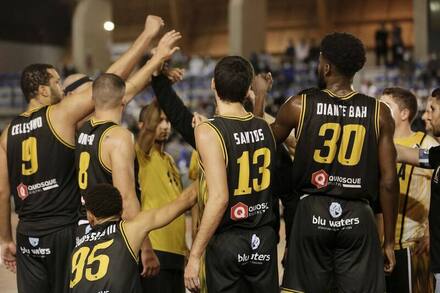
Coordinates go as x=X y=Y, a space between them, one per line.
x=415 y=193
x=160 y=184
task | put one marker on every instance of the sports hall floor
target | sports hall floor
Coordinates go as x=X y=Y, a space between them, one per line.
x=8 y=284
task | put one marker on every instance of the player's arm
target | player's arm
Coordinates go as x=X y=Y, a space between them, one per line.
x=388 y=185
x=178 y=114
x=120 y=147
x=73 y=108
x=146 y=221
x=407 y=155
x=287 y=119
x=165 y=49
x=125 y=64
x=211 y=155
x=6 y=240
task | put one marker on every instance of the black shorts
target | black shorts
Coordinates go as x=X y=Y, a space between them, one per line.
x=411 y=273
x=240 y=260
x=43 y=262
x=170 y=277
x=336 y=246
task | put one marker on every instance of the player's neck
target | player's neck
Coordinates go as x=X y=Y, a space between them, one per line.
x=114 y=115
x=35 y=103
x=340 y=86
x=230 y=109
x=104 y=220
x=159 y=146
x=403 y=130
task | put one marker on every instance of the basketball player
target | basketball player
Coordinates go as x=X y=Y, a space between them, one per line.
x=37 y=167
x=412 y=231
x=347 y=157
x=160 y=184
x=103 y=145
x=429 y=158
x=105 y=260
x=75 y=82
x=236 y=153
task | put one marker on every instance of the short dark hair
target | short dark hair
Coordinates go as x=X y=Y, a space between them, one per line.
x=103 y=200
x=32 y=77
x=404 y=99
x=232 y=77
x=345 y=52
x=108 y=89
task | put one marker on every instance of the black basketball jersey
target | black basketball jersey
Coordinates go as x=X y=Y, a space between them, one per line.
x=89 y=165
x=103 y=261
x=337 y=149
x=249 y=150
x=41 y=170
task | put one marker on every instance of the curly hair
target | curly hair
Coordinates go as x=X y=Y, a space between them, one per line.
x=232 y=77
x=32 y=77
x=103 y=200
x=345 y=52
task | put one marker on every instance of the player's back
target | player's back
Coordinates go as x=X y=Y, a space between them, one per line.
x=103 y=261
x=88 y=154
x=249 y=150
x=337 y=150
x=41 y=174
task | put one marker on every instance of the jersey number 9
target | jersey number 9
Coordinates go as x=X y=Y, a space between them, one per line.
x=29 y=156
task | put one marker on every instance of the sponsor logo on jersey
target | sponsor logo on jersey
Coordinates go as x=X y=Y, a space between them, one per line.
x=242 y=211
x=334 y=225
x=34 y=241
x=41 y=186
x=320 y=179
x=255 y=242
x=22 y=191
x=335 y=209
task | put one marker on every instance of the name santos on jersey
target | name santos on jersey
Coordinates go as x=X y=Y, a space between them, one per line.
x=245 y=137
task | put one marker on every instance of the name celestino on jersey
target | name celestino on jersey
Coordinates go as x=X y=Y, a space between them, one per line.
x=27 y=127
x=326 y=109
x=245 y=137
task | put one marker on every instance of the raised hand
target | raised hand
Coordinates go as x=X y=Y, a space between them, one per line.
x=166 y=47
x=153 y=24
x=262 y=83
x=174 y=74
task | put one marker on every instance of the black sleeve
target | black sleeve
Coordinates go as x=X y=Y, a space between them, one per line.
x=178 y=114
x=434 y=157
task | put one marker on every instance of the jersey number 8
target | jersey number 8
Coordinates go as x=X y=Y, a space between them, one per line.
x=84 y=162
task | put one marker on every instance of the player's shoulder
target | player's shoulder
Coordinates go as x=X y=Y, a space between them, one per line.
x=117 y=134
x=429 y=142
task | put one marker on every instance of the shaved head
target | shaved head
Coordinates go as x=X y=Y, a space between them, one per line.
x=108 y=91
x=75 y=83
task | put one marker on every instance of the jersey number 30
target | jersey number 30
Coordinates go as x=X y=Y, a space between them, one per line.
x=345 y=157
x=79 y=262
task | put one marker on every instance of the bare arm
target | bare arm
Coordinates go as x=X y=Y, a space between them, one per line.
x=125 y=64
x=120 y=147
x=388 y=184
x=165 y=49
x=5 y=194
x=73 y=108
x=407 y=155
x=287 y=119
x=147 y=221
x=7 y=245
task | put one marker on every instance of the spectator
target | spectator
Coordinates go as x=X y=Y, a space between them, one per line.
x=397 y=45
x=302 y=50
x=381 y=38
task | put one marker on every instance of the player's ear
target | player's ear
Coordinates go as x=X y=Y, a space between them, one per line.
x=327 y=69
x=212 y=84
x=404 y=114
x=140 y=125
x=44 y=90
